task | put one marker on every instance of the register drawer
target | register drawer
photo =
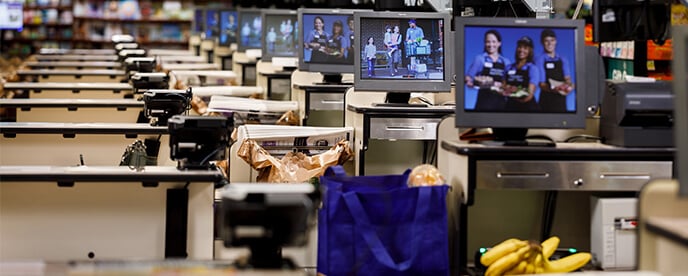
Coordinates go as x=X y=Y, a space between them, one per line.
x=326 y=101
x=404 y=128
x=570 y=175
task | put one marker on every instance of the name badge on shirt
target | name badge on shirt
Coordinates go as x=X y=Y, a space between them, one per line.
x=549 y=65
x=511 y=72
x=488 y=65
x=317 y=36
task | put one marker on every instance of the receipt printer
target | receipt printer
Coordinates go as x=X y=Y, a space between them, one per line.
x=613 y=232
x=637 y=114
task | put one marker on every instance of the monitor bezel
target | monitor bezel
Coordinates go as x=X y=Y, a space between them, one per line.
x=229 y=41
x=396 y=85
x=267 y=56
x=679 y=36
x=538 y=120
x=241 y=13
x=322 y=67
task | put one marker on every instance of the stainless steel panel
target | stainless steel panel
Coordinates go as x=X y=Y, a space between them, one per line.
x=403 y=128
x=570 y=175
x=326 y=101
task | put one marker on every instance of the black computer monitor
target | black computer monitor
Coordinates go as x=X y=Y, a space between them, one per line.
x=507 y=81
x=11 y=16
x=679 y=67
x=417 y=57
x=321 y=50
x=229 y=23
x=617 y=20
x=279 y=29
x=250 y=29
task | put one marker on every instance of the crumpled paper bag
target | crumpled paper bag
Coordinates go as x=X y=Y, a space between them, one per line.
x=294 y=167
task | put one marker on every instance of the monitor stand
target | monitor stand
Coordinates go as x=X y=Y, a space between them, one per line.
x=518 y=137
x=397 y=99
x=331 y=79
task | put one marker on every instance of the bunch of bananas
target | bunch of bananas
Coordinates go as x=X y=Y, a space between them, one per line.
x=514 y=256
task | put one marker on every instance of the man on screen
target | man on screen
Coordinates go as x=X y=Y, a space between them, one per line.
x=414 y=35
x=555 y=82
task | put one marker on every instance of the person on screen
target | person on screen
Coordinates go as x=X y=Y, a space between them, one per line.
x=369 y=54
x=521 y=78
x=350 y=44
x=335 y=44
x=271 y=38
x=486 y=73
x=316 y=40
x=230 y=28
x=414 y=35
x=555 y=75
x=245 y=33
x=393 y=51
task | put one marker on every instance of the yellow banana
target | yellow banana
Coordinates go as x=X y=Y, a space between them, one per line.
x=505 y=263
x=568 y=263
x=549 y=246
x=501 y=250
x=520 y=268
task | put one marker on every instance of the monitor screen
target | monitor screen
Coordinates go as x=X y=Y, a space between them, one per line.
x=228 y=27
x=212 y=23
x=198 y=21
x=615 y=20
x=322 y=48
x=11 y=16
x=280 y=28
x=250 y=28
x=402 y=51
x=520 y=73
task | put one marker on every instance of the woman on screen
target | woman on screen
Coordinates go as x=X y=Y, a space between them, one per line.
x=335 y=44
x=487 y=72
x=393 y=52
x=555 y=75
x=521 y=78
x=316 y=40
x=370 y=57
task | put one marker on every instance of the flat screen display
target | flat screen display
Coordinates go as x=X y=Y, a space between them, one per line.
x=11 y=16
x=280 y=29
x=519 y=69
x=229 y=24
x=250 y=29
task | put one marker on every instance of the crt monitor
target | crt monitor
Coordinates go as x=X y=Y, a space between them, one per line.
x=211 y=26
x=519 y=73
x=250 y=29
x=229 y=23
x=326 y=39
x=402 y=52
x=617 y=20
x=11 y=16
x=279 y=30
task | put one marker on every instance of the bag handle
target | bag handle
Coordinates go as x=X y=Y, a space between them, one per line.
x=373 y=240
x=336 y=170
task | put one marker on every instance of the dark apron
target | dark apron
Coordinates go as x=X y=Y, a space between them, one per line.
x=520 y=78
x=489 y=100
x=552 y=101
x=316 y=55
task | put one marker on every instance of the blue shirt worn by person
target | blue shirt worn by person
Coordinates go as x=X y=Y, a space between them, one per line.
x=544 y=62
x=484 y=60
x=414 y=33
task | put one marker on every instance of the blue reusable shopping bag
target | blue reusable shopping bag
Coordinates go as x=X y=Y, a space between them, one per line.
x=377 y=225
